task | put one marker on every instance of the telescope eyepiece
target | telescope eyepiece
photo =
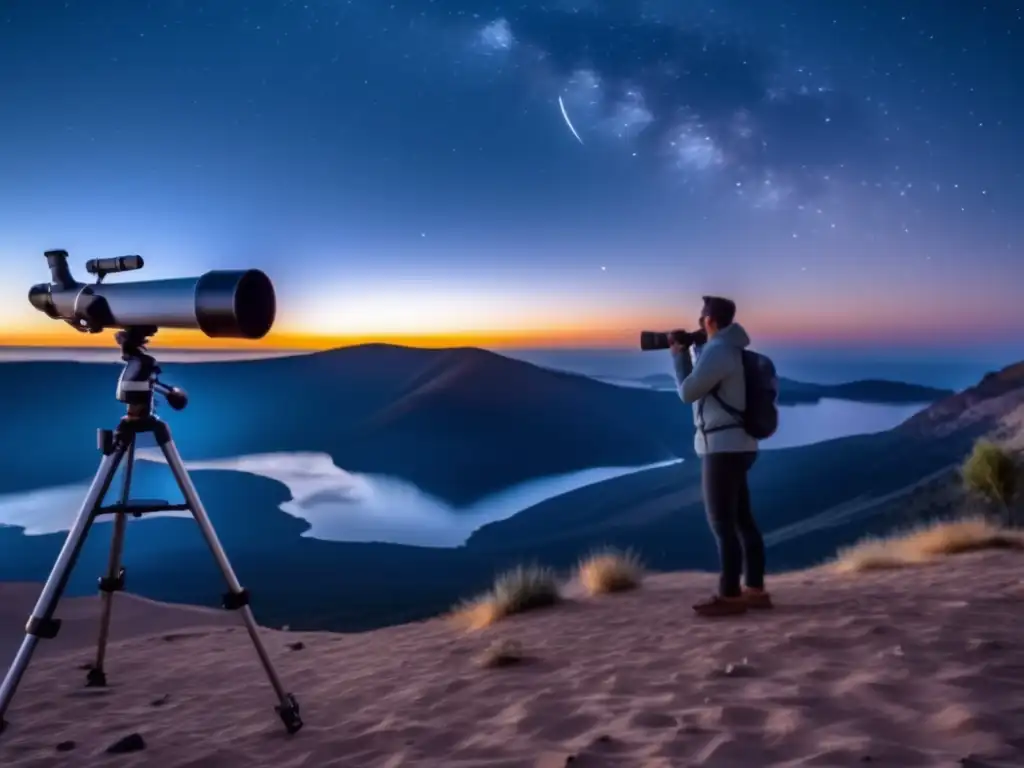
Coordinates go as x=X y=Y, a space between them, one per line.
x=60 y=273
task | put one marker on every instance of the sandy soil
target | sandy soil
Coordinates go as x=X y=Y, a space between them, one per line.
x=918 y=667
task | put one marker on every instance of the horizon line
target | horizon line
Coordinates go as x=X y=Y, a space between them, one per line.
x=553 y=339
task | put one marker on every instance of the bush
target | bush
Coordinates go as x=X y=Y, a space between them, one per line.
x=611 y=571
x=991 y=473
x=926 y=544
x=522 y=589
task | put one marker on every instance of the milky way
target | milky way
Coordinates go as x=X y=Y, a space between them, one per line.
x=703 y=105
x=760 y=103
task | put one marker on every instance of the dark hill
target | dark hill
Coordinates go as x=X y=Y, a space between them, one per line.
x=458 y=423
x=984 y=405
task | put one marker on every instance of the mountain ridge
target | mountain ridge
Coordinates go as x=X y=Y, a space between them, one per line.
x=459 y=423
x=792 y=392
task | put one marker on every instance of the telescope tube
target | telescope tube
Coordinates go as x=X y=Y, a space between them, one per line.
x=221 y=303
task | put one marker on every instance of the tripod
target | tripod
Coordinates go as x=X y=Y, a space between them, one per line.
x=136 y=388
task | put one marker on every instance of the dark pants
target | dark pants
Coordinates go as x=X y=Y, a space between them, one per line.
x=727 y=501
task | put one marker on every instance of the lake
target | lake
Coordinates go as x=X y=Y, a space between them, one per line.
x=343 y=506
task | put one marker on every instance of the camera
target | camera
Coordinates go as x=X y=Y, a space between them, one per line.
x=238 y=304
x=652 y=340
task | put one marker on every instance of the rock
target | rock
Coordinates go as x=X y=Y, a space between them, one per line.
x=504 y=653
x=982 y=645
x=161 y=701
x=735 y=670
x=970 y=761
x=66 y=746
x=297 y=646
x=131 y=743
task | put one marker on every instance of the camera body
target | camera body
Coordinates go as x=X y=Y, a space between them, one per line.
x=654 y=340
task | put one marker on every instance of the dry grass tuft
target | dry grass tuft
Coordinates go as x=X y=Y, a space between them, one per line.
x=926 y=544
x=503 y=653
x=611 y=571
x=522 y=589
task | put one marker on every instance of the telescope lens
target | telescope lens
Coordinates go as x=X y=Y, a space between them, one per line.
x=39 y=297
x=235 y=304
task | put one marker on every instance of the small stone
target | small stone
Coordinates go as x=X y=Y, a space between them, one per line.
x=970 y=761
x=734 y=670
x=297 y=646
x=161 y=701
x=504 y=653
x=131 y=743
x=979 y=644
x=66 y=746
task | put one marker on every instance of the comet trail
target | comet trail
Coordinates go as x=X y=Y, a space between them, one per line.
x=565 y=115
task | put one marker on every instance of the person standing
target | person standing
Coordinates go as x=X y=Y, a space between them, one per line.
x=712 y=379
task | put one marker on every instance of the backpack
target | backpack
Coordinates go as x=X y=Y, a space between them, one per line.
x=760 y=420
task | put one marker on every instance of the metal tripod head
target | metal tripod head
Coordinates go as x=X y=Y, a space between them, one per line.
x=138 y=382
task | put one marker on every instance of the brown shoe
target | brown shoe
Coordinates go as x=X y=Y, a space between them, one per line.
x=758 y=599
x=721 y=606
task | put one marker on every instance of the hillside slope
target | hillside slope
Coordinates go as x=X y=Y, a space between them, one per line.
x=851 y=485
x=907 y=668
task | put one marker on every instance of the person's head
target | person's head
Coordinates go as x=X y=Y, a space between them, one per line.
x=717 y=314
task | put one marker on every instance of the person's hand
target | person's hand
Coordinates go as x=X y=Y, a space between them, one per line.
x=675 y=346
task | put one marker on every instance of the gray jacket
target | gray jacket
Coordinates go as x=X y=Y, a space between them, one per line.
x=717 y=363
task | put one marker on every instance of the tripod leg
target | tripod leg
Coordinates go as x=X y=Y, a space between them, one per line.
x=41 y=623
x=237 y=598
x=113 y=581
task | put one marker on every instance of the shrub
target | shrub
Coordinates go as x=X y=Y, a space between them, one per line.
x=611 y=571
x=991 y=473
x=926 y=544
x=522 y=589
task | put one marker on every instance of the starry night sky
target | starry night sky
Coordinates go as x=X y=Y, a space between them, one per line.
x=848 y=171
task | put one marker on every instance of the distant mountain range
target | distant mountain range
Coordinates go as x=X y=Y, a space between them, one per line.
x=458 y=423
x=865 y=391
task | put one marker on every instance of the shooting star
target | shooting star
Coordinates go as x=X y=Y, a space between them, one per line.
x=565 y=115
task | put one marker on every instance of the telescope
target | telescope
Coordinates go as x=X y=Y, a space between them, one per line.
x=238 y=304
x=233 y=304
